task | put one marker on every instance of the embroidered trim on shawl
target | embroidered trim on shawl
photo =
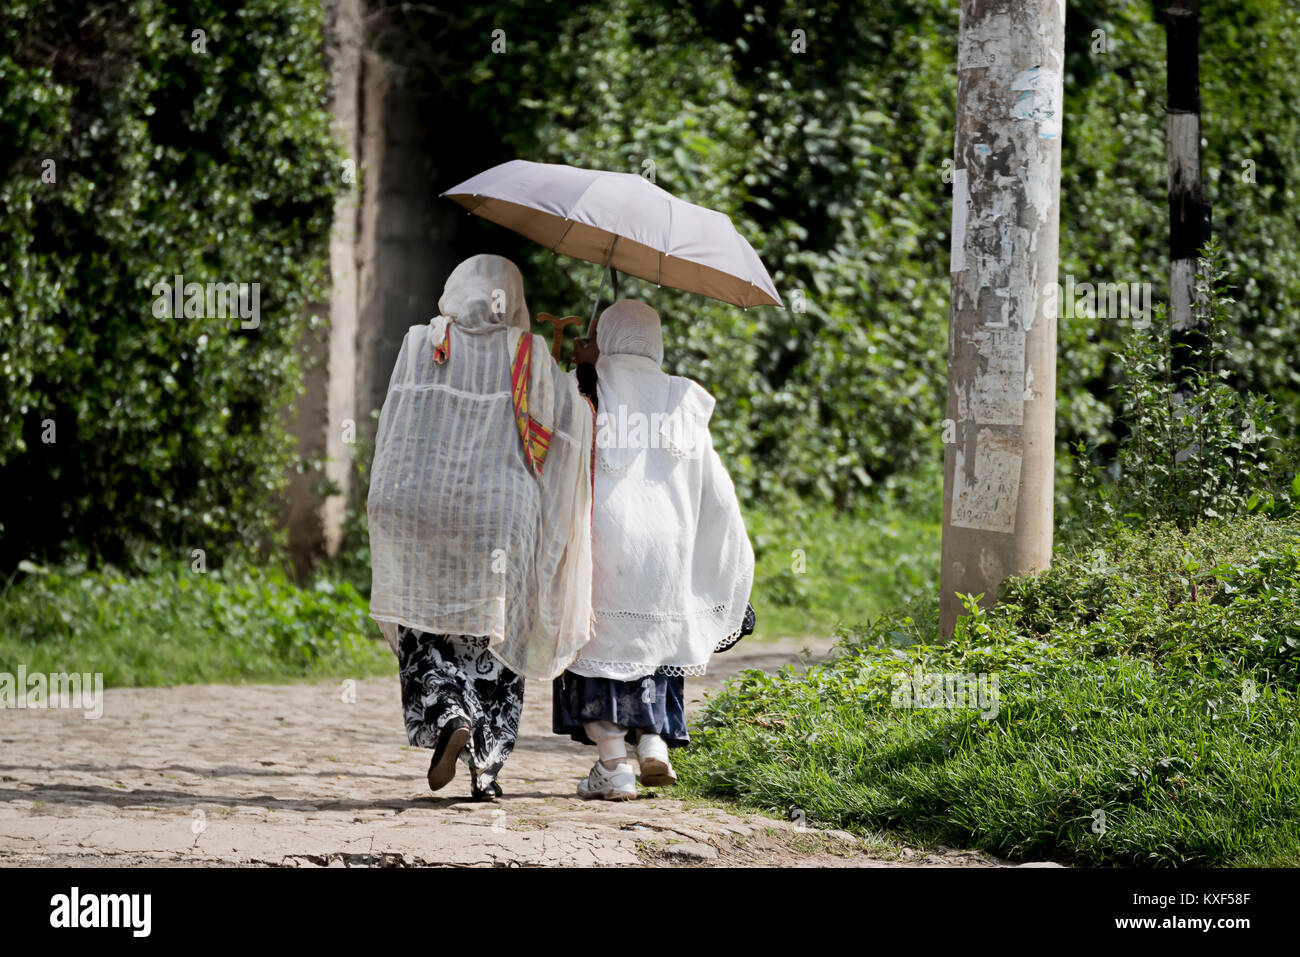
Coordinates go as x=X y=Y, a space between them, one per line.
x=652 y=616
x=536 y=438
x=591 y=471
x=731 y=640
x=612 y=470
x=634 y=669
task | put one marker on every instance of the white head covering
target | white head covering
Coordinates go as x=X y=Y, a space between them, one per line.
x=630 y=328
x=631 y=388
x=481 y=293
x=672 y=564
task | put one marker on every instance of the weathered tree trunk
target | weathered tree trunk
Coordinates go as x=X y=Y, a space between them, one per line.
x=325 y=412
x=1189 y=214
x=1000 y=430
x=393 y=244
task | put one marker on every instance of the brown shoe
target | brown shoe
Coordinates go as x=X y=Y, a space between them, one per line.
x=451 y=742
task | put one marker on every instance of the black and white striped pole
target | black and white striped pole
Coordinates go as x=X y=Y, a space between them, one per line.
x=1189 y=213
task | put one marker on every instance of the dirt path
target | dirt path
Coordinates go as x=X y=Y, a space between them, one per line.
x=295 y=775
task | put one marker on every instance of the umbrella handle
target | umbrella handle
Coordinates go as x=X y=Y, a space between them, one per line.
x=557 y=330
x=591 y=323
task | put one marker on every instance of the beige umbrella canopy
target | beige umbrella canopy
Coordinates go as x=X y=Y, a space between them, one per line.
x=622 y=221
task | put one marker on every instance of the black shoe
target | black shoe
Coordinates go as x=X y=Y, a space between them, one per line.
x=453 y=739
x=491 y=794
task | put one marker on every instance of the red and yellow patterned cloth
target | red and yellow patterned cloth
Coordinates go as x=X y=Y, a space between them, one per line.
x=535 y=436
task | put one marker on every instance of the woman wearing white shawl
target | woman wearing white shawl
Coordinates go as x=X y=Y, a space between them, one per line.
x=672 y=563
x=479 y=513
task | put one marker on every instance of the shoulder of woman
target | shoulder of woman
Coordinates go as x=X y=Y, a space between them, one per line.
x=688 y=396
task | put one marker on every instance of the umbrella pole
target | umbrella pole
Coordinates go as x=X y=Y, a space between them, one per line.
x=603 y=276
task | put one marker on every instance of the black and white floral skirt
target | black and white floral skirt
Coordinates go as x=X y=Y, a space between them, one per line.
x=456 y=676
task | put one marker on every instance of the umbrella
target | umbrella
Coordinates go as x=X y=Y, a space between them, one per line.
x=623 y=222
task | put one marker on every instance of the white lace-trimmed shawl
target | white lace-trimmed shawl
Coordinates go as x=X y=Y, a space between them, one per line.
x=672 y=564
x=465 y=539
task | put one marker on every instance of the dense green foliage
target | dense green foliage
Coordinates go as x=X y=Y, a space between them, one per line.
x=173 y=153
x=172 y=624
x=1146 y=713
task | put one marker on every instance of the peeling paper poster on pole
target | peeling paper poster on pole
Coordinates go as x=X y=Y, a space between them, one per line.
x=960 y=200
x=997 y=394
x=987 y=499
x=1038 y=100
x=989 y=44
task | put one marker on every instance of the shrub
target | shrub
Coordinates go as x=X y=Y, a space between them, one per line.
x=1194 y=447
x=118 y=427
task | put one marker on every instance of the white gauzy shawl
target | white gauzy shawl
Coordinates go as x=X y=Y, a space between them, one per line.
x=672 y=564
x=465 y=537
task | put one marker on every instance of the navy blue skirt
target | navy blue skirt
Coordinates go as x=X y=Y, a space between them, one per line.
x=653 y=704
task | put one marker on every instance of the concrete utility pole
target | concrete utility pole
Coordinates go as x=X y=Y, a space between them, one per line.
x=1000 y=429
x=1189 y=213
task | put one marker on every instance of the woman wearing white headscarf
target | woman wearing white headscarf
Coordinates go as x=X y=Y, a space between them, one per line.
x=672 y=564
x=479 y=514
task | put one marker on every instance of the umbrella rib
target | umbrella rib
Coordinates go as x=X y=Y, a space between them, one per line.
x=668 y=241
x=604 y=274
x=740 y=281
x=563 y=235
x=670 y=223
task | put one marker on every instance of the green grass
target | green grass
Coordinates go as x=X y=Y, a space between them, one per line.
x=171 y=625
x=1147 y=713
x=822 y=570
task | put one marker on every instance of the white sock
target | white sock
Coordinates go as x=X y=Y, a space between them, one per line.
x=609 y=740
x=651 y=746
